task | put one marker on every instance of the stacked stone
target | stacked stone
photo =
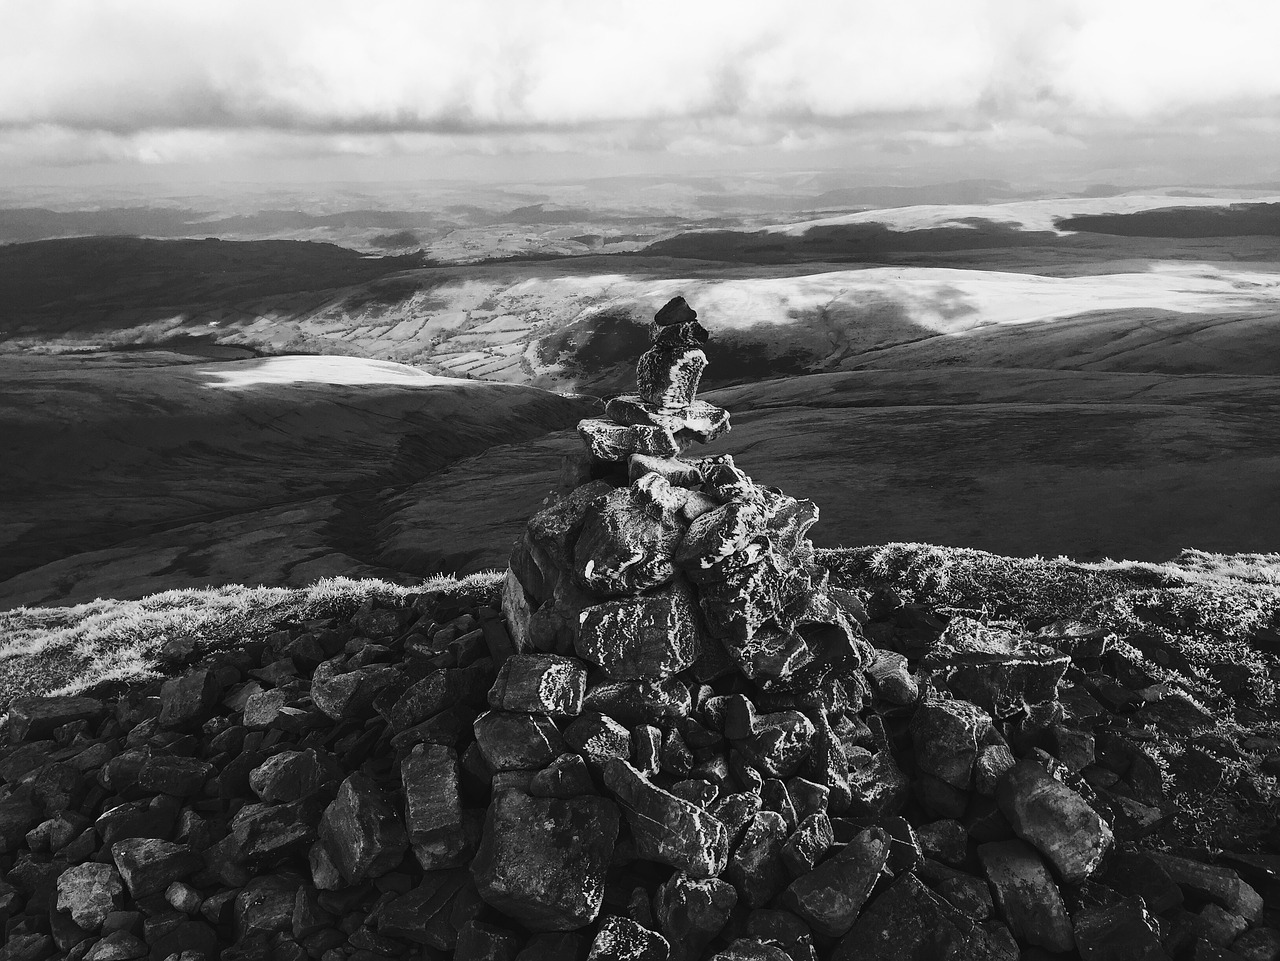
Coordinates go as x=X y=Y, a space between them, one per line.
x=664 y=416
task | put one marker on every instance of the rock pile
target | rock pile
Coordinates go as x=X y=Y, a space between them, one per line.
x=681 y=742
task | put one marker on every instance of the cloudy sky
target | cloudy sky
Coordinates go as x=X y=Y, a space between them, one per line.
x=909 y=90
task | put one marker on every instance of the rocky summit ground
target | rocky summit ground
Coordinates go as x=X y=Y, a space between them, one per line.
x=302 y=777
x=672 y=729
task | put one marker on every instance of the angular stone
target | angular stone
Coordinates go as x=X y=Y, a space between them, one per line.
x=20 y=761
x=994 y=669
x=621 y=939
x=421 y=915
x=675 y=311
x=1123 y=931
x=116 y=946
x=830 y=897
x=1075 y=749
x=350 y=695
x=641 y=702
x=944 y=841
x=777 y=743
x=265 y=905
x=1214 y=883
x=189 y=699
x=736 y=527
x=565 y=777
x=1054 y=819
x=702 y=421
x=180 y=776
x=1219 y=926
x=517 y=610
x=36 y=718
x=751 y=949
x=736 y=811
x=554 y=626
x=669 y=376
x=649 y=637
x=775 y=797
x=808 y=843
x=441 y=690
x=183 y=897
x=512 y=742
x=478 y=941
x=263 y=707
x=688 y=336
x=555 y=946
x=438 y=830
x=691 y=911
x=540 y=684
x=1258 y=944
x=677 y=473
x=756 y=867
x=787 y=525
x=747 y=601
x=994 y=762
x=362 y=832
x=783 y=929
x=90 y=892
x=877 y=786
x=646 y=746
x=287 y=776
x=554 y=530
x=969 y=895
x=946 y=735
x=908 y=922
x=628 y=537
x=598 y=738
x=542 y=861
x=610 y=442
x=149 y=865
x=1137 y=874
x=816 y=640
x=675 y=757
x=1029 y=901
x=808 y=796
x=891 y=678
x=724 y=481
x=264 y=833
x=666 y=828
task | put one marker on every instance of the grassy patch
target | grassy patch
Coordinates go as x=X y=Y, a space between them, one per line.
x=62 y=650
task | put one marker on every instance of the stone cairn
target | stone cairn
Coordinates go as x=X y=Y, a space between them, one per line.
x=681 y=743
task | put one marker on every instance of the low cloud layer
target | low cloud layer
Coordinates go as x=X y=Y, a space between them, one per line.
x=161 y=81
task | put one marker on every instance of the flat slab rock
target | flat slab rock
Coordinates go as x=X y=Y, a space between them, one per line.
x=704 y=421
x=607 y=441
x=995 y=669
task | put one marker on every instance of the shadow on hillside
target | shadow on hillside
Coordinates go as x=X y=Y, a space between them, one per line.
x=600 y=351
x=91 y=283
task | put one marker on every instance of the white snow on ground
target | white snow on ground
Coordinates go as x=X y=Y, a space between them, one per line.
x=1025 y=214
x=942 y=299
x=339 y=371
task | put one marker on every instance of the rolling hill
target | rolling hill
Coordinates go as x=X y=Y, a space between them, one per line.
x=125 y=479
x=1075 y=391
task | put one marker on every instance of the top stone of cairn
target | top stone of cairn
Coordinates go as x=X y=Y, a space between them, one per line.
x=664 y=415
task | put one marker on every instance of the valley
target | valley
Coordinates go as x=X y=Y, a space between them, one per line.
x=187 y=413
